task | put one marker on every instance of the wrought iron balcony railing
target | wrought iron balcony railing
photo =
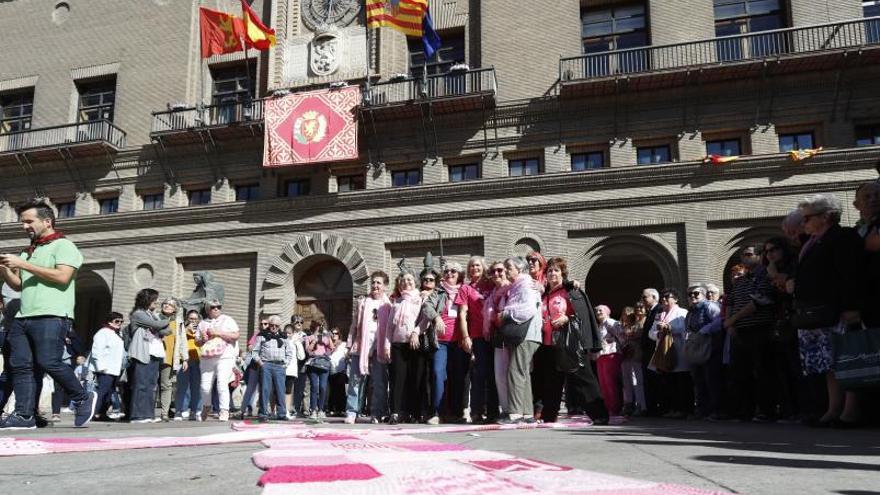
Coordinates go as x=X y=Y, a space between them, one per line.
x=755 y=46
x=183 y=119
x=455 y=83
x=96 y=131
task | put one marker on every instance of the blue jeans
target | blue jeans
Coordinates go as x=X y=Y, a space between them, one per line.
x=272 y=379
x=299 y=389
x=318 y=381
x=449 y=360
x=484 y=394
x=39 y=341
x=379 y=381
x=189 y=388
x=106 y=386
x=354 y=397
x=253 y=377
x=144 y=378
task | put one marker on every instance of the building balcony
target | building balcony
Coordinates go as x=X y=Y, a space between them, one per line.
x=62 y=141
x=219 y=122
x=458 y=90
x=790 y=50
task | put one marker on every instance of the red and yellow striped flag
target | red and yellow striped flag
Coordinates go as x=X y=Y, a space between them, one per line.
x=798 y=155
x=719 y=159
x=403 y=15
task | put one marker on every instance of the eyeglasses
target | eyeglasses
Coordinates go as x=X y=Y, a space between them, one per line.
x=450 y=270
x=748 y=254
x=215 y=307
x=375 y=314
x=117 y=321
x=498 y=270
x=696 y=293
x=667 y=296
x=335 y=334
x=264 y=323
x=429 y=279
x=532 y=259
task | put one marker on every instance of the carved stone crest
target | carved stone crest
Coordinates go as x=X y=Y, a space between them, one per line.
x=323 y=54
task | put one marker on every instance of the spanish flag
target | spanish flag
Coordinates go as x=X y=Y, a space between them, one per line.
x=719 y=159
x=403 y=15
x=798 y=155
x=257 y=35
x=220 y=32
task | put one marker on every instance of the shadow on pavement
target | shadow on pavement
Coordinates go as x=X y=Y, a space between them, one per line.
x=789 y=463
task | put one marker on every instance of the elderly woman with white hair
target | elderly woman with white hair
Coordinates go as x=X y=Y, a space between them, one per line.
x=522 y=307
x=449 y=360
x=828 y=291
x=218 y=337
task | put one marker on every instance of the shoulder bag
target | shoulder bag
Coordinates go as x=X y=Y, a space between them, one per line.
x=664 y=358
x=513 y=333
x=697 y=348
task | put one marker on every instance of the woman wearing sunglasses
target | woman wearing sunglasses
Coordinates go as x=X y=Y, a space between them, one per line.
x=492 y=307
x=107 y=354
x=449 y=359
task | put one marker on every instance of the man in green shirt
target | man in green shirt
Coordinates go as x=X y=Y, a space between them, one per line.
x=45 y=274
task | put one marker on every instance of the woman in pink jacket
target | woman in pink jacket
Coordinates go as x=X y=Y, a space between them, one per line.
x=400 y=342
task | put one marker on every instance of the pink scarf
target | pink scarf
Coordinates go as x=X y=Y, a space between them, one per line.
x=451 y=292
x=410 y=303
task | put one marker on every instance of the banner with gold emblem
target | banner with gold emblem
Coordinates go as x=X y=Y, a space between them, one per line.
x=312 y=127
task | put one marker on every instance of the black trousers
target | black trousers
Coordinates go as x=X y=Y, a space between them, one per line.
x=581 y=392
x=336 y=400
x=754 y=372
x=106 y=386
x=408 y=368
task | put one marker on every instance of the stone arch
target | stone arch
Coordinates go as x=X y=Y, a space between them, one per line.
x=94 y=300
x=616 y=268
x=279 y=290
x=526 y=243
x=726 y=255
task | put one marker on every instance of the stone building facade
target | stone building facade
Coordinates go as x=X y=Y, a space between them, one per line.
x=578 y=129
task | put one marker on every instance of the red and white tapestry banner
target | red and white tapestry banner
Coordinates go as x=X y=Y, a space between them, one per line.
x=312 y=127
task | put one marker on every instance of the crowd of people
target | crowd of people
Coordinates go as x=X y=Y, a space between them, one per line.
x=509 y=341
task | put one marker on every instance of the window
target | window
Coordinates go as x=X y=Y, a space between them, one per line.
x=723 y=147
x=614 y=28
x=461 y=173
x=797 y=141
x=16 y=110
x=650 y=155
x=405 y=178
x=154 y=201
x=298 y=187
x=247 y=192
x=871 y=8
x=199 y=197
x=66 y=209
x=528 y=166
x=867 y=135
x=233 y=86
x=449 y=54
x=734 y=17
x=109 y=205
x=347 y=183
x=587 y=161
x=96 y=100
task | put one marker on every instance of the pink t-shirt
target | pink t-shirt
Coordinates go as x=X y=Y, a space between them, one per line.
x=469 y=296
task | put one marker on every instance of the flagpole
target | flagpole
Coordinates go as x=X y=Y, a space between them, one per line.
x=246 y=110
x=200 y=106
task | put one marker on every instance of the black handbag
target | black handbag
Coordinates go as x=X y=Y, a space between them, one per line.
x=514 y=333
x=567 y=348
x=813 y=316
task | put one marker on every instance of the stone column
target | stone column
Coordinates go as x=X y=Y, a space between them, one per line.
x=493 y=165
x=85 y=204
x=691 y=146
x=222 y=192
x=763 y=139
x=556 y=159
x=128 y=199
x=621 y=153
x=434 y=171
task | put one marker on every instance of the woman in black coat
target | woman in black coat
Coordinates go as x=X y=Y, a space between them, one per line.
x=828 y=291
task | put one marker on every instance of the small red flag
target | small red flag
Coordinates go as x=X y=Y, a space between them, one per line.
x=221 y=32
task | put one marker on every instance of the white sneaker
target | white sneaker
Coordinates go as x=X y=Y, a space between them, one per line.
x=434 y=420
x=197 y=416
x=142 y=421
x=183 y=416
x=224 y=415
x=350 y=418
x=322 y=415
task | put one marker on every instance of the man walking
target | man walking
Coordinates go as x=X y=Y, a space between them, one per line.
x=45 y=274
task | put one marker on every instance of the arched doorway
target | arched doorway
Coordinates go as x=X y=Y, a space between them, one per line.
x=94 y=301
x=324 y=291
x=623 y=266
x=755 y=236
